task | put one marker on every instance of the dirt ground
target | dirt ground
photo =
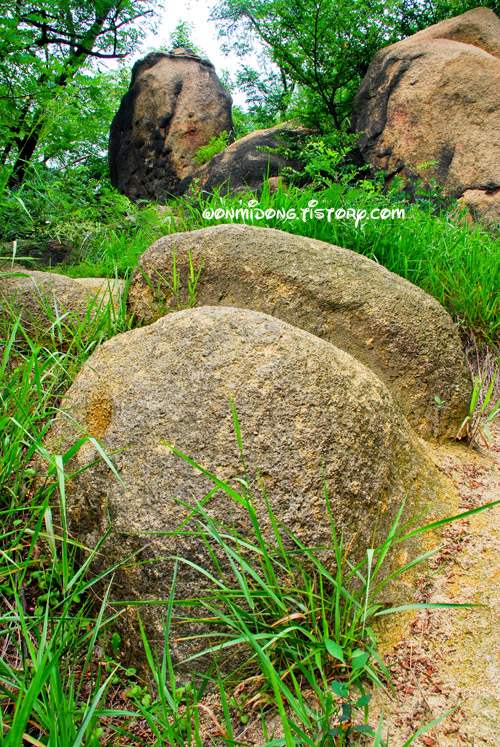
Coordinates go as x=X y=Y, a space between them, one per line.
x=440 y=660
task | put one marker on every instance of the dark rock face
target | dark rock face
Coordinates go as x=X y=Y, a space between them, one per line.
x=245 y=163
x=434 y=98
x=175 y=104
x=43 y=253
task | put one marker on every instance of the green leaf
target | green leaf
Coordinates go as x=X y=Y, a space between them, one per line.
x=340 y=689
x=363 y=729
x=364 y=700
x=116 y=640
x=335 y=650
x=359 y=659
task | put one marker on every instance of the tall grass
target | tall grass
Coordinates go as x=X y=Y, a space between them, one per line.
x=303 y=621
x=51 y=691
x=457 y=264
x=102 y=231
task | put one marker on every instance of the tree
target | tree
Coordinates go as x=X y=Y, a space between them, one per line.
x=268 y=93
x=322 y=46
x=415 y=16
x=326 y=46
x=46 y=46
x=181 y=37
x=77 y=121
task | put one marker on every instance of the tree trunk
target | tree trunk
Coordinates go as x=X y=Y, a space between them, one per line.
x=25 y=153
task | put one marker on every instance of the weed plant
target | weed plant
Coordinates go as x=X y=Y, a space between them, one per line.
x=51 y=689
x=216 y=145
x=483 y=411
x=103 y=231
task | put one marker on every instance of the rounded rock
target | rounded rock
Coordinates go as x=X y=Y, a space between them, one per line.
x=432 y=102
x=305 y=409
x=403 y=334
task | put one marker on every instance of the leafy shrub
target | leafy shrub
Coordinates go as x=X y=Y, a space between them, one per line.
x=216 y=145
x=79 y=208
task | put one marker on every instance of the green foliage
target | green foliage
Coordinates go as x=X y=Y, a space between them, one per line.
x=164 y=288
x=319 y=50
x=315 y=630
x=245 y=122
x=323 y=47
x=268 y=93
x=77 y=207
x=216 y=145
x=76 y=128
x=482 y=411
x=324 y=159
x=47 y=46
x=458 y=265
x=302 y=617
x=49 y=623
x=181 y=37
x=417 y=16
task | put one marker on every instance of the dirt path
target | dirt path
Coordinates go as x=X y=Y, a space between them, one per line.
x=451 y=659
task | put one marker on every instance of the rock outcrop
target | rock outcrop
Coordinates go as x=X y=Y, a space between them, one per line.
x=39 y=254
x=434 y=98
x=396 y=329
x=301 y=404
x=247 y=162
x=175 y=104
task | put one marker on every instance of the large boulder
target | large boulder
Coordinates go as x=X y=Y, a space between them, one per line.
x=396 y=329
x=40 y=298
x=434 y=98
x=246 y=163
x=303 y=407
x=175 y=104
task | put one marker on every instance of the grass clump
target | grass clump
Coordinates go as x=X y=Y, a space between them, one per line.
x=483 y=411
x=103 y=232
x=216 y=145
x=106 y=233
x=299 y=618
x=51 y=690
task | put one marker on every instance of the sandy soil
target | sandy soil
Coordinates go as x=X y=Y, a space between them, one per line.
x=441 y=660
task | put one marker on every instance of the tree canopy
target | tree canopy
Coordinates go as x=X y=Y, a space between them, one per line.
x=44 y=47
x=323 y=47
